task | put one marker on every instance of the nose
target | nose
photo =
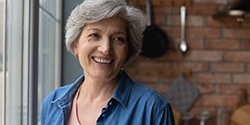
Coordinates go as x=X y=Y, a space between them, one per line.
x=105 y=47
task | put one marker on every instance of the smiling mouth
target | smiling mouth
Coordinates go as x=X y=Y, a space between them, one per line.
x=102 y=61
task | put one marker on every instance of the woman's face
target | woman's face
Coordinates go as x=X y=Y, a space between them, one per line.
x=102 y=48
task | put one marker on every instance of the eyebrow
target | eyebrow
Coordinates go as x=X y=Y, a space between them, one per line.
x=89 y=29
x=96 y=29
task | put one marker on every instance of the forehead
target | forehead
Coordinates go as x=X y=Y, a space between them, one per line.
x=116 y=23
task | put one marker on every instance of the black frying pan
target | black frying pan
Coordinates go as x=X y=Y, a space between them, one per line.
x=155 y=40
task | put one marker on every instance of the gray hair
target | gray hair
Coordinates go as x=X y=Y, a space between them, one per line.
x=95 y=10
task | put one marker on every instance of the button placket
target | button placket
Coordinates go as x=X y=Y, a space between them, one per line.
x=110 y=103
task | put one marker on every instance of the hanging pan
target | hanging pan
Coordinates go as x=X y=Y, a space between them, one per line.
x=155 y=40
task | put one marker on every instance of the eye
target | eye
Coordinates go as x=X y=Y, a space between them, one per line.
x=94 y=37
x=120 y=39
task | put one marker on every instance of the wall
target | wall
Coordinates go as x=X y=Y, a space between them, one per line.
x=218 y=58
x=71 y=69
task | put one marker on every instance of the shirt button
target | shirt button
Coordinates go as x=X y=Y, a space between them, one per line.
x=103 y=115
x=110 y=103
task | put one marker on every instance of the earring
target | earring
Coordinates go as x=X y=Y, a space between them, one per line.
x=76 y=56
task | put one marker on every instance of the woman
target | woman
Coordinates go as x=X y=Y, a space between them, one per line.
x=105 y=35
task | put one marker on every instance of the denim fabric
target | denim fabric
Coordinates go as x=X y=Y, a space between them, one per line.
x=131 y=104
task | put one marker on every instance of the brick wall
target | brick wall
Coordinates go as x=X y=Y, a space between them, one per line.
x=218 y=59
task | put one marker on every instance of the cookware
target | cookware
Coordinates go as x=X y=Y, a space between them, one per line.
x=241 y=116
x=203 y=116
x=155 y=40
x=182 y=94
x=183 y=44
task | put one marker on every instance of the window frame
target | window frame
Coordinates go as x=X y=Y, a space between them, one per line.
x=21 y=61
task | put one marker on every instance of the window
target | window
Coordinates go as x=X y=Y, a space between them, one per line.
x=1 y=55
x=31 y=57
x=49 y=47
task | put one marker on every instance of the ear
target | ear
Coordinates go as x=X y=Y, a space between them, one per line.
x=75 y=49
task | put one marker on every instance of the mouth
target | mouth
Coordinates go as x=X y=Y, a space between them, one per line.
x=102 y=61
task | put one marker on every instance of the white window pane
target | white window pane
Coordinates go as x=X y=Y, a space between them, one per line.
x=49 y=47
x=1 y=56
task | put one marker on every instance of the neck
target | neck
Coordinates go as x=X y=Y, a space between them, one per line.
x=93 y=91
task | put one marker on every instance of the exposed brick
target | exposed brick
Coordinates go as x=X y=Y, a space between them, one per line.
x=203 y=32
x=195 y=21
x=228 y=89
x=173 y=31
x=237 y=56
x=173 y=20
x=158 y=20
x=246 y=45
x=236 y=33
x=160 y=87
x=210 y=78
x=161 y=10
x=246 y=24
x=156 y=2
x=206 y=88
x=172 y=55
x=211 y=22
x=202 y=9
x=248 y=68
x=195 y=43
x=219 y=100
x=210 y=1
x=194 y=66
x=228 y=67
x=147 y=63
x=223 y=44
x=205 y=55
x=241 y=78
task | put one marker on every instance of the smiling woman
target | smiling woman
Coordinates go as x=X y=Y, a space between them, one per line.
x=105 y=35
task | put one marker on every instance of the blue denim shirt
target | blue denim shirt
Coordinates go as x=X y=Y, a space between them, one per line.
x=131 y=104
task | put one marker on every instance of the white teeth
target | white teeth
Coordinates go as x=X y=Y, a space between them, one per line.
x=106 y=61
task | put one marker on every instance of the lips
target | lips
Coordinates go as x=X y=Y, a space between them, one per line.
x=102 y=61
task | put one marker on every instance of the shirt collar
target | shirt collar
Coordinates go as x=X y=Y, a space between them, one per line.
x=67 y=96
x=122 y=91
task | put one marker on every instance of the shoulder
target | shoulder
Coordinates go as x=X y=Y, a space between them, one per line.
x=49 y=105
x=147 y=93
x=54 y=96
x=57 y=93
x=153 y=102
x=64 y=91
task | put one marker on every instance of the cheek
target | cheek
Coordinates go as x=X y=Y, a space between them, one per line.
x=123 y=54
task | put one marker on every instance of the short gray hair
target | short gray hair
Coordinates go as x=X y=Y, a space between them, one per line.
x=95 y=10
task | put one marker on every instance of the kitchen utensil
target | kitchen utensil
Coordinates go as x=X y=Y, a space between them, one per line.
x=186 y=117
x=182 y=94
x=241 y=116
x=155 y=40
x=203 y=116
x=183 y=44
x=176 y=116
